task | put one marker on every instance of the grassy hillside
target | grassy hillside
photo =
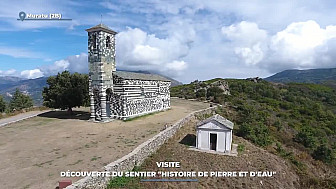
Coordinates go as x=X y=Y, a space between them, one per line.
x=304 y=76
x=294 y=121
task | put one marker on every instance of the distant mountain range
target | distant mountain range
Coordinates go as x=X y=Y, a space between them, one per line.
x=304 y=76
x=34 y=87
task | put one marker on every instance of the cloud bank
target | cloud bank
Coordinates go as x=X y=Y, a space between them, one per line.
x=76 y=63
x=300 y=45
x=198 y=39
x=136 y=50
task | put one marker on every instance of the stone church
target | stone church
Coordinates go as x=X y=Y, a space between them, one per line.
x=119 y=94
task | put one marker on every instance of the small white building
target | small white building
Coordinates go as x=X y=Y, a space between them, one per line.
x=214 y=133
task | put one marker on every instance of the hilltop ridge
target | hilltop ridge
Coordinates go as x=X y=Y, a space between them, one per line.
x=304 y=76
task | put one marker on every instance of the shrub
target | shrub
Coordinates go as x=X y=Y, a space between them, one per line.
x=306 y=137
x=324 y=154
x=201 y=93
x=258 y=133
x=2 y=104
x=20 y=101
x=278 y=125
x=214 y=91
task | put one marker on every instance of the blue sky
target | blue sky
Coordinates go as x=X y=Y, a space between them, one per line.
x=186 y=40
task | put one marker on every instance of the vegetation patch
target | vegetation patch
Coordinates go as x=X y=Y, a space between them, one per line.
x=19 y=103
x=95 y=158
x=125 y=182
x=241 y=148
x=285 y=119
x=78 y=161
x=41 y=164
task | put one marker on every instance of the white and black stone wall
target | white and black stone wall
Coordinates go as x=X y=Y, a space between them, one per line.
x=137 y=97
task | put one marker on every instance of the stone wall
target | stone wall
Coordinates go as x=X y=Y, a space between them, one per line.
x=138 y=155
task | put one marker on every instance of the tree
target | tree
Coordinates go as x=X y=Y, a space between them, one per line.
x=66 y=91
x=20 y=101
x=2 y=104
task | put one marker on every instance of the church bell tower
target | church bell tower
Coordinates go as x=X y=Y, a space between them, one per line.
x=101 y=58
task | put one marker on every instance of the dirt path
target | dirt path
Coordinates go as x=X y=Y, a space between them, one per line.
x=20 y=117
x=33 y=152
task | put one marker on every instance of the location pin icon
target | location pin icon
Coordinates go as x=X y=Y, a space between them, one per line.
x=22 y=15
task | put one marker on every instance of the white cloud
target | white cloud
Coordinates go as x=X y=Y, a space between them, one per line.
x=31 y=74
x=11 y=72
x=176 y=65
x=76 y=63
x=245 y=33
x=19 y=52
x=146 y=54
x=299 y=45
x=26 y=74
x=137 y=50
x=252 y=55
x=248 y=41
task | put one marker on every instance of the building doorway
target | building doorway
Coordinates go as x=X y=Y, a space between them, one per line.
x=213 y=141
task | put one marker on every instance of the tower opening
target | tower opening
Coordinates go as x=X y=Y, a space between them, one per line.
x=108 y=42
x=94 y=41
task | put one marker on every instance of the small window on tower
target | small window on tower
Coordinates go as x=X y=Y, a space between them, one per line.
x=108 y=41
x=94 y=41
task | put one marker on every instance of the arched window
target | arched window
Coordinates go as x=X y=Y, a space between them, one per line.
x=108 y=41
x=94 y=41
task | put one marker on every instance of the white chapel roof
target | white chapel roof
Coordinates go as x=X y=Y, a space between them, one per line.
x=217 y=118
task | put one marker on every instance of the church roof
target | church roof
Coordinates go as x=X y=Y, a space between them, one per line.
x=101 y=27
x=140 y=76
x=219 y=119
